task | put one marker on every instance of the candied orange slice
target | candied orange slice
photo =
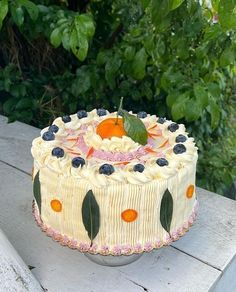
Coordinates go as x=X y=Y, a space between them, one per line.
x=122 y=163
x=56 y=205
x=153 y=135
x=111 y=127
x=190 y=191
x=164 y=144
x=129 y=215
x=150 y=150
x=90 y=152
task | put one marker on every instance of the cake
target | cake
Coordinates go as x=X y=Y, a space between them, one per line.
x=102 y=187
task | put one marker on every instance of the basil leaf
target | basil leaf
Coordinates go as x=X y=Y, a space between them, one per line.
x=166 y=210
x=37 y=191
x=91 y=215
x=135 y=128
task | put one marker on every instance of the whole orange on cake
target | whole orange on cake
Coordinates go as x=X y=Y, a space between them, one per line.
x=112 y=127
x=114 y=184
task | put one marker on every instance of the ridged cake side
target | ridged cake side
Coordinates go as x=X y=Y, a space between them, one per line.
x=113 y=200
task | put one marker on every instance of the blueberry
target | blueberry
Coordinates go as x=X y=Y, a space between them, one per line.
x=58 y=152
x=139 y=167
x=66 y=119
x=78 y=161
x=173 y=127
x=179 y=149
x=48 y=136
x=142 y=115
x=53 y=128
x=162 y=162
x=107 y=169
x=101 y=112
x=180 y=139
x=161 y=120
x=82 y=114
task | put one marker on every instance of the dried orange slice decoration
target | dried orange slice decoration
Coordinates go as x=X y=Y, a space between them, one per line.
x=129 y=215
x=190 y=191
x=111 y=127
x=56 y=205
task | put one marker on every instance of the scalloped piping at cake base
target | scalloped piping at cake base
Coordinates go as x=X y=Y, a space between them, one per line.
x=118 y=249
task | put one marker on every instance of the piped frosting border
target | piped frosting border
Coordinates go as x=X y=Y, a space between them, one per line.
x=123 y=162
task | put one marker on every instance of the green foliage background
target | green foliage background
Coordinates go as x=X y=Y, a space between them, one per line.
x=173 y=58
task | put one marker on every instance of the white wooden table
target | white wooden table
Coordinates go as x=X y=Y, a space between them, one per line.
x=202 y=260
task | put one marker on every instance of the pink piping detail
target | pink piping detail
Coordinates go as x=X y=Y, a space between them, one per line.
x=118 y=249
x=110 y=156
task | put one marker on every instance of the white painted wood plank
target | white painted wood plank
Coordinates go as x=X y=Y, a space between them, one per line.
x=60 y=269
x=227 y=281
x=14 y=274
x=169 y=270
x=213 y=238
x=15 y=143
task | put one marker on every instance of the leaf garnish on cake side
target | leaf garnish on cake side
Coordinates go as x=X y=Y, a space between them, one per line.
x=91 y=215
x=135 y=128
x=37 y=191
x=166 y=210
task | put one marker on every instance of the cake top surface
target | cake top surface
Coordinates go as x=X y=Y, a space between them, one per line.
x=95 y=146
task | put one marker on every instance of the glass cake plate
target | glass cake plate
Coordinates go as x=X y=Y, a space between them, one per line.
x=113 y=261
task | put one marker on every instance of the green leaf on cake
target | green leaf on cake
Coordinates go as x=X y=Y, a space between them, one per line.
x=91 y=215
x=166 y=211
x=37 y=192
x=135 y=128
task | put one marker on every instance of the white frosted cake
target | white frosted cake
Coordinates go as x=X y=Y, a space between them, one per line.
x=102 y=187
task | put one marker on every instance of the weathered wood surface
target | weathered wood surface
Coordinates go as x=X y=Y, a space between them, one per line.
x=202 y=260
x=14 y=274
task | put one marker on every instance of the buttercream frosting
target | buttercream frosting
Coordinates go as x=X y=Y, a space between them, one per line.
x=79 y=136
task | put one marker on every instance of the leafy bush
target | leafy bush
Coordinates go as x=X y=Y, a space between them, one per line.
x=173 y=58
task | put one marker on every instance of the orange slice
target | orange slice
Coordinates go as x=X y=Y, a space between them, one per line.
x=190 y=191
x=56 y=205
x=129 y=215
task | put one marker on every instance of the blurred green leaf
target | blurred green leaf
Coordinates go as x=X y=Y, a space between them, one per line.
x=66 y=39
x=171 y=98
x=84 y=25
x=23 y=103
x=145 y=3
x=201 y=95
x=215 y=4
x=129 y=53
x=160 y=9
x=177 y=110
x=112 y=66
x=31 y=8
x=56 y=37
x=3 y=10
x=212 y=32
x=9 y=106
x=227 y=14
x=79 y=45
x=139 y=64
x=175 y=4
x=214 y=90
x=214 y=110
x=228 y=56
x=81 y=84
x=192 y=110
x=178 y=105
x=17 y=14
